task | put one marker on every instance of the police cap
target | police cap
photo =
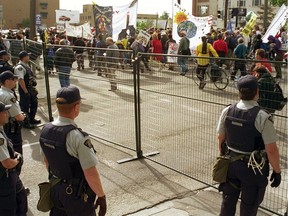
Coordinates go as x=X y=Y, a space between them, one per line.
x=23 y=54
x=3 y=52
x=68 y=95
x=248 y=82
x=6 y=75
x=4 y=107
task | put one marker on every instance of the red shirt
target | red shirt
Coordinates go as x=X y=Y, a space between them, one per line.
x=266 y=64
x=220 y=45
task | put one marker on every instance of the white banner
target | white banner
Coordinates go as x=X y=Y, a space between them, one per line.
x=83 y=31
x=195 y=27
x=278 y=21
x=67 y=16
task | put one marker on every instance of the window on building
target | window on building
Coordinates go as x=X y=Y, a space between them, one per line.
x=203 y=10
x=43 y=5
x=256 y=3
x=44 y=15
x=89 y=17
x=241 y=3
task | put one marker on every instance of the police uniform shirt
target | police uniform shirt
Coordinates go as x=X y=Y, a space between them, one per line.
x=263 y=122
x=78 y=145
x=20 y=71
x=7 y=97
x=4 y=153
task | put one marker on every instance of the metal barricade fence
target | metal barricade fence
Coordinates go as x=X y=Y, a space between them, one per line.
x=158 y=110
x=179 y=120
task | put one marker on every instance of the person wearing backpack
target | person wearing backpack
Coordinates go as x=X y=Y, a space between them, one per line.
x=184 y=49
x=269 y=97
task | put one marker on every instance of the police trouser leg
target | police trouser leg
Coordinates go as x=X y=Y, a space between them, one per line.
x=24 y=101
x=229 y=199
x=68 y=203
x=8 y=194
x=21 y=199
x=33 y=107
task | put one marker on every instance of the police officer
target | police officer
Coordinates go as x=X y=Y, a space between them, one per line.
x=27 y=90
x=70 y=158
x=16 y=117
x=13 y=198
x=249 y=133
x=4 y=58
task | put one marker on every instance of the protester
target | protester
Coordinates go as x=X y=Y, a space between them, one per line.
x=64 y=58
x=204 y=49
x=79 y=49
x=156 y=47
x=277 y=53
x=240 y=52
x=184 y=49
x=112 y=59
x=221 y=48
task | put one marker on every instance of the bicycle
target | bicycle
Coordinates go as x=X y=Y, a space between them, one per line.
x=218 y=77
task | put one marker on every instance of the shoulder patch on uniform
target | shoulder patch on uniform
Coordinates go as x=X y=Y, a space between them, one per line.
x=20 y=68
x=88 y=143
x=13 y=100
x=1 y=141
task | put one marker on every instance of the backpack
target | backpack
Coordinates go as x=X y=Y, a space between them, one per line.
x=273 y=97
x=215 y=73
x=279 y=101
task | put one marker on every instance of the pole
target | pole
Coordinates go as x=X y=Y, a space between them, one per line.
x=32 y=19
x=265 y=18
x=225 y=13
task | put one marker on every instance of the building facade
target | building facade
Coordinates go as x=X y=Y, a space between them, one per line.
x=87 y=15
x=14 y=15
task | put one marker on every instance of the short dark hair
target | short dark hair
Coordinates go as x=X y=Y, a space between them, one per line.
x=247 y=94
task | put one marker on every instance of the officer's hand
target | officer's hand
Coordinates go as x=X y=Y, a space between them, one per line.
x=19 y=158
x=27 y=95
x=101 y=201
x=276 y=179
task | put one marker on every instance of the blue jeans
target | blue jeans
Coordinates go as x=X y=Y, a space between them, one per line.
x=182 y=63
x=64 y=75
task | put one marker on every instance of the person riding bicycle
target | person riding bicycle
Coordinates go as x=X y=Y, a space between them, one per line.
x=203 y=50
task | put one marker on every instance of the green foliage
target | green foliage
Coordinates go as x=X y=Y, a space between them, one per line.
x=144 y=24
x=25 y=23
x=278 y=2
x=165 y=15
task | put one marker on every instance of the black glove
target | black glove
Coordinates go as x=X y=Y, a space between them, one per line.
x=101 y=201
x=276 y=179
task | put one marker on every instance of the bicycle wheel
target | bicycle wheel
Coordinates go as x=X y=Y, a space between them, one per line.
x=222 y=81
x=194 y=75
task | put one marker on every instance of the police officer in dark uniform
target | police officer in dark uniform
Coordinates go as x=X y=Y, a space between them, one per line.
x=71 y=160
x=4 y=58
x=27 y=90
x=249 y=133
x=16 y=117
x=13 y=198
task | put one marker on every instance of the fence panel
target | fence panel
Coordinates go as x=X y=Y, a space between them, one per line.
x=179 y=120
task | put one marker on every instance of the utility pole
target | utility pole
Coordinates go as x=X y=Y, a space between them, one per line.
x=225 y=13
x=32 y=19
x=265 y=18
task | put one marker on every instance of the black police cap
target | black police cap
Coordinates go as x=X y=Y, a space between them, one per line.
x=68 y=95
